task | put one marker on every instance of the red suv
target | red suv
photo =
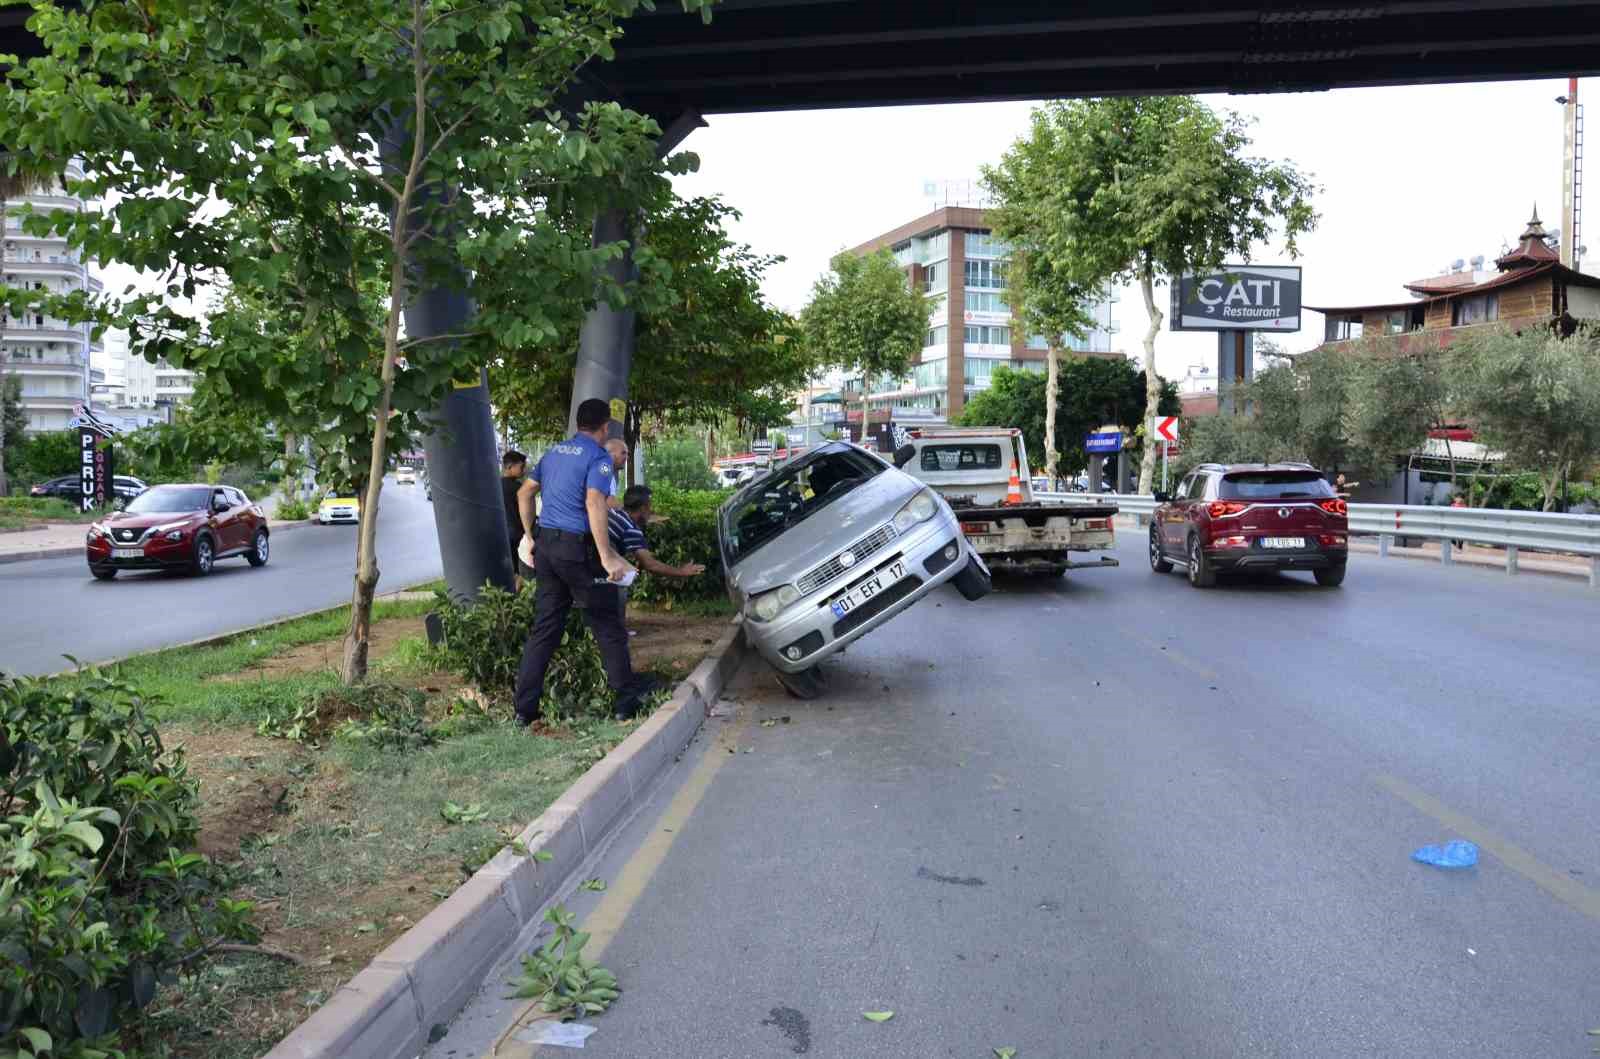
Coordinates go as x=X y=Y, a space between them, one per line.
x=178 y=526
x=1253 y=516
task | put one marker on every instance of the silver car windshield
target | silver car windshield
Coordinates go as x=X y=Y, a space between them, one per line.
x=794 y=495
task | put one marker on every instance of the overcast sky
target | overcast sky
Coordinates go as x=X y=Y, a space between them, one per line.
x=1412 y=179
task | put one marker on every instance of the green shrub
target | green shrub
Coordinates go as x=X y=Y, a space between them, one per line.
x=101 y=894
x=292 y=511
x=50 y=454
x=678 y=463
x=687 y=533
x=483 y=643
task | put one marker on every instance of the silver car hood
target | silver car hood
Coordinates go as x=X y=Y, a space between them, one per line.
x=800 y=547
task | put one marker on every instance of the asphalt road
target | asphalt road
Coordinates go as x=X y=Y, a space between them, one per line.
x=1116 y=816
x=53 y=607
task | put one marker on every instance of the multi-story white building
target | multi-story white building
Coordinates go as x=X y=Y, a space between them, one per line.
x=959 y=263
x=50 y=356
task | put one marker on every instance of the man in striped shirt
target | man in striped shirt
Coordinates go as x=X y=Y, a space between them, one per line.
x=626 y=528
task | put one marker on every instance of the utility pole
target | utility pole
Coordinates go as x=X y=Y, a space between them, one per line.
x=1571 y=177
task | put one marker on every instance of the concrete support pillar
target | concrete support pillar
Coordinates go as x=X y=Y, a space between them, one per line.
x=1235 y=365
x=605 y=342
x=1383 y=545
x=1444 y=552
x=1511 y=559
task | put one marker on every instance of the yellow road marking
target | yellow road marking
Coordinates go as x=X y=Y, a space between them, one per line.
x=1557 y=884
x=623 y=892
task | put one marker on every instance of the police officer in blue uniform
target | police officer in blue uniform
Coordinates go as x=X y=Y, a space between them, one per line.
x=573 y=560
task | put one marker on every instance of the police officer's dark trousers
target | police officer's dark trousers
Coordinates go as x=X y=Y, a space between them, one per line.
x=566 y=573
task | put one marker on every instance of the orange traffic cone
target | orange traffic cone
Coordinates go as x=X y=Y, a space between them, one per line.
x=1014 y=487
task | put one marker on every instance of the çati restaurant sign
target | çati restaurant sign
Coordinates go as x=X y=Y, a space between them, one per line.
x=1238 y=298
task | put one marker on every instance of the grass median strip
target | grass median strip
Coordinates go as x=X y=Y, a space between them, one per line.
x=341 y=836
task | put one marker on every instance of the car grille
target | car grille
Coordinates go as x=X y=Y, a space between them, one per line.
x=126 y=536
x=821 y=575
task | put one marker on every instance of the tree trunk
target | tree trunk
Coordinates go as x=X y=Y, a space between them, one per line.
x=866 y=413
x=1450 y=454
x=358 y=636
x=632 y=427
x=1152 y=383
x=1551 y=483
x=1051 y=386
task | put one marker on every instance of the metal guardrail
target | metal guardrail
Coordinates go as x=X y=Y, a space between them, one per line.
x=1515 y=531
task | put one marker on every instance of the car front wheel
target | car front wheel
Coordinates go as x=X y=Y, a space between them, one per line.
x=257 y=555
x=1330 y=577
x=806 y=684
x=1158 y=560
x=973 y=581
x=204 y=557
x=1201 y=575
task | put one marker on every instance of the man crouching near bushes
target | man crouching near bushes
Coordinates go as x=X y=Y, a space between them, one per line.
x=626 y=530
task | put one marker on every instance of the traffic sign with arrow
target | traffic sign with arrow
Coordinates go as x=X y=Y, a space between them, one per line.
x=1166 y=428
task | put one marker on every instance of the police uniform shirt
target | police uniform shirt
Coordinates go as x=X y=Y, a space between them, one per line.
x=565 y=473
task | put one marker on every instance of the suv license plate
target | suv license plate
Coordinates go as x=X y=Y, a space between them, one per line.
x=868 y=588
x=1283 y=542
x=127 y=553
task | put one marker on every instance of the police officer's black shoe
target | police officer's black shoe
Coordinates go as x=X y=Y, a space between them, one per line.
x=630 y=701
x=523 y=722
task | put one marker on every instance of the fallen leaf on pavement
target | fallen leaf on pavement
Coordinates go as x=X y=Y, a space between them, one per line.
x=1004 y=1053
x=877 y=1016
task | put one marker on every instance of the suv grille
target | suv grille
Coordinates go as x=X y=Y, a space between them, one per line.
x=815 y=579
x=127 y=536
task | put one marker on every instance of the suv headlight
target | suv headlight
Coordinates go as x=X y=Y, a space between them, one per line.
x=96 y=531
x=769 y=605
x=919 y=508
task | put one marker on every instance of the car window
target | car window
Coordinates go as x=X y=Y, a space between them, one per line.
x=960 y=457
x=1274 y=485
x=1182 y=492
x=1197 y=488
x=792 y=495
x=167 y=499
x=236 y=498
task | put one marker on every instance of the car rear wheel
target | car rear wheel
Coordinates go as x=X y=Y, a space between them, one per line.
x=1201 y=575
x=103 y=573
x=204 y=557
x=1330 y=577
x=259 y=550
x=1158 y=559
x=806 y=684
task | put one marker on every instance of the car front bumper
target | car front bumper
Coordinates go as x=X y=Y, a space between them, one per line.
x=158 y=554
x=328 y=516
x=810 y=625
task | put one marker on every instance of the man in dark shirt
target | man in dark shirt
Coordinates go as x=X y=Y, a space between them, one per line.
x=626 y=528
x=513 y=465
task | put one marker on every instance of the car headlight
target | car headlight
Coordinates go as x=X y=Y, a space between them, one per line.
x=96 y=531
x=174 y=535
x=769 y=605
x=919 y=508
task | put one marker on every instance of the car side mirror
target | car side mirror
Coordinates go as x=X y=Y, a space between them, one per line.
x=1162 y=496
x=904 y=454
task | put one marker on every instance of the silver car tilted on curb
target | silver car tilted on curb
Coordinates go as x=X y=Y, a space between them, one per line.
x=826 y=548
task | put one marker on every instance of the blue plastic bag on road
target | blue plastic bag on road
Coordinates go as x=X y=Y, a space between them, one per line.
x=1453 y=854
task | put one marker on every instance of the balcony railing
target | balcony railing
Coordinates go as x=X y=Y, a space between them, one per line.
x=54 y=361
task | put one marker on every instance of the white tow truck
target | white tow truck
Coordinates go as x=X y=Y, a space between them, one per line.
x=982 y=472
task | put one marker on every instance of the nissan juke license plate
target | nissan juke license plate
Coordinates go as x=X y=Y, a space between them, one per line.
x=868 y=588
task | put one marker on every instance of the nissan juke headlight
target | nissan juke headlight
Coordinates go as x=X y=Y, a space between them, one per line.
x=919 y=508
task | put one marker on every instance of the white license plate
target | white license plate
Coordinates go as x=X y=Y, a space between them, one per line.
x=127 y=553
x=1283 y=542
x=868 y=588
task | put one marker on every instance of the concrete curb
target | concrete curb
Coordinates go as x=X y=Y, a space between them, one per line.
x=67 y=552
x=427 y=975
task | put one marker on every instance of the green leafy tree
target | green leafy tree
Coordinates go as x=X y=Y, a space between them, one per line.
x=1301 y=409
x=708 y=343
x=1396 y=400
x=13 y=426
x=1094 y=392
x=302 y=153
x=1534 y=396
x=679 y=463
x=1147 y=189
x=864 y=317
x=1046 y=295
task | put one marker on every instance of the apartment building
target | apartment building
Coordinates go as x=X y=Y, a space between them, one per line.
x=953 y=254
x=50 y=356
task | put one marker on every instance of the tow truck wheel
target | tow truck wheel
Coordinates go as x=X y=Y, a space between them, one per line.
x=806 y=684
